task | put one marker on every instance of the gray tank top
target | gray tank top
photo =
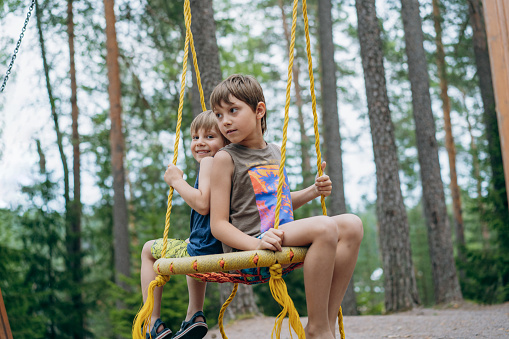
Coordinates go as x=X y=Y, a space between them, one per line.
x=254 y=190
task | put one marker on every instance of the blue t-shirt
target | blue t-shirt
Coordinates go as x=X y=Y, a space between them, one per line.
x=201 y=240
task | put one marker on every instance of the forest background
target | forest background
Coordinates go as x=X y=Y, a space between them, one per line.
x=63 y=263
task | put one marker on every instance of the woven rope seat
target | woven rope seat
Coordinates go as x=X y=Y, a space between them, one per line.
x=226 y=267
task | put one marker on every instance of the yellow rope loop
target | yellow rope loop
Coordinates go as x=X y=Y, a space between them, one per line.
x=276 y=271
x=281 y=180
x=223 y=309
x=197 y=73
x=340 y=323
x=161 y=280
x=141 y=322
x=313 y=99
x=280 y=294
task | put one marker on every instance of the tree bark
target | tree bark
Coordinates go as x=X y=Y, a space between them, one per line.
x=120 y=221
x=482 y=59
x=400 y=285
x=207 y=53
x=446 y=285
x=74 y=241
x=307 y=177
x=449 y=138
x=332 y=136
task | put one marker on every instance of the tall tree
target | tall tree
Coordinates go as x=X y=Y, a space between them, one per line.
x=117 y=144
x=446 y=284
x=74 y=239
x=449 y=138
x=207 y=53
x=400 y=285
x=332 y=136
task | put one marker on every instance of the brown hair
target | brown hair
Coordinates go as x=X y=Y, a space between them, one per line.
x=207 y=120
x=243 y=87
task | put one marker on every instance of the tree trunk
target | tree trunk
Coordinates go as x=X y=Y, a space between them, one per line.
x=446 y=285
x=120 y=221
x=400 y=285
x=332 y=137
x=74 y=241
x=207 y=53
x=307 y=177
x=482 y=59
x=449 y=138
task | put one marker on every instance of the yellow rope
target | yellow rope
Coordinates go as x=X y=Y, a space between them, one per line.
x=317 y=135
x=340 y=323
x=313 y=99
x=223 y=309
x=276 y=282
x=280 y=294
x=141 y=323
x=145 y=313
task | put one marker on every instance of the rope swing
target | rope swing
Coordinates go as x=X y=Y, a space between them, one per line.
x=226 y=267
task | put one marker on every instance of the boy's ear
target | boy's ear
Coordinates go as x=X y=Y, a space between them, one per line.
x=260 y=110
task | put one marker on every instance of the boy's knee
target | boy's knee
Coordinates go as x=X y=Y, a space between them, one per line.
x=326 y=228
x=356 y=227
x=351 y=227
x=147 y=249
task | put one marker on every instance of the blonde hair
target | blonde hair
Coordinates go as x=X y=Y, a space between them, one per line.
x=243 y=87
x=207 y=120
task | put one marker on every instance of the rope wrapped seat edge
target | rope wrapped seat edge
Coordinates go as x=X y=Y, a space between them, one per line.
x=219 y=267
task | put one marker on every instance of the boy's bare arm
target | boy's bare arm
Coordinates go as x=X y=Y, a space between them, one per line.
x=197 y=199
x=322 y=186
x=222 y=229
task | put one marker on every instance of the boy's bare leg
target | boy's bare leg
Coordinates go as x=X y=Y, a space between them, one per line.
x=321 y=234
x=196 y=297
x=350 y=233
x=147 y=274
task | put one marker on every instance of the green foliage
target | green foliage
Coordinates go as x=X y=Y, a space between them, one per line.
x=420 y=255
x=484 y=276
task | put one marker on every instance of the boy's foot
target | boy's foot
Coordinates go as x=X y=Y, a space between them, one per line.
x=193 y=329
x=155 y=333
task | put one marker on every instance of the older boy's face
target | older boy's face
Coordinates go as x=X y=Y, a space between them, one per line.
x=237 y=120
x=205 y=143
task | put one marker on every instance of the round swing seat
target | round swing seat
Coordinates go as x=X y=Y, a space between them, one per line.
x=226 y=267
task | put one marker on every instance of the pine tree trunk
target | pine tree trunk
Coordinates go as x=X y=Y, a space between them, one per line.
x=204 y=33
x=332 y=137
x=207 y=53
x=307 y=177
x=74 y=247
x=400 y=285
x=449 y=138
x=120 y=221
x=446 y=285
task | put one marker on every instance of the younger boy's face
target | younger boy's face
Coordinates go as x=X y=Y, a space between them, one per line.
x=206 y=143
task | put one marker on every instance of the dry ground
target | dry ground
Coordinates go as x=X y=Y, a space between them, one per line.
x=465 y=321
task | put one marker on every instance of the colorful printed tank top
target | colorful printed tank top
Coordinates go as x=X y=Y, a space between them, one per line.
x=254 y=190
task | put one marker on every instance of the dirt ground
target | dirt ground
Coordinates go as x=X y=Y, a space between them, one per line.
x=465 y=321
